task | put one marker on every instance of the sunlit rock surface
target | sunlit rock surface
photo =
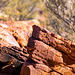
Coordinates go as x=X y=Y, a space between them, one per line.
x=50 y=53
x=28 y=49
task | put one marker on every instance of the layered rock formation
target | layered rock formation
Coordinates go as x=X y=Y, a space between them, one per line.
x=49 y=54
x=23 y=52
x=11 y=59
x=13 y=37
x=16 y=33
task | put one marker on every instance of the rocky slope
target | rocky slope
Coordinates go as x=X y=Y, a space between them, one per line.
x=27 y=51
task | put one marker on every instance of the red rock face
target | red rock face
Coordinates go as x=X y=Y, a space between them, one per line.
x=22 y=30
x=54 y=40
x=11 y=59
x=45 y=54
x=13 y=37
x=55 y=53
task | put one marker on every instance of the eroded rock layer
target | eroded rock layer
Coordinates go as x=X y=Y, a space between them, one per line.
x=49 y=54
x=42 y=52
x=11 y=59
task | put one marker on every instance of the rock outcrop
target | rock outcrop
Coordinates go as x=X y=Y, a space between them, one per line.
x=49 y=54
x=16 y=33
x=13 y=37
x=27 y=51
x=11 y=58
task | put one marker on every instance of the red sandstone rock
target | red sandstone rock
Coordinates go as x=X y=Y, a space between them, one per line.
x=19 y=30
x=44 y=53
x=23 y=30
x=36 y=69
x=50 y=54
x=54 y=73
x=57 y=42
x=11 y=59
x=51 y=50
x=6 y=39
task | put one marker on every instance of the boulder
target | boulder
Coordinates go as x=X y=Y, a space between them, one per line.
x=36 y=51
x=54 y=54
x=54 y=40
x=44 y=53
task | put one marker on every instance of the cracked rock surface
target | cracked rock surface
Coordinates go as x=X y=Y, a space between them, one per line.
x=34 y=51
x=50 y=54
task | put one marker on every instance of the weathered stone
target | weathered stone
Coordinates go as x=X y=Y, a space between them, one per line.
x=54 y=73
x=10 y=58
x=35 y=69
x=57 y=42
x=22 y=30
x=6 y=39
x=44 y=53
x=51 y=50
x=49 y=54
x=16 y=33
x=64 y=70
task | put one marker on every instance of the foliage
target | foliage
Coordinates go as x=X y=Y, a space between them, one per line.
x=20 y=9
x=62 y=17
